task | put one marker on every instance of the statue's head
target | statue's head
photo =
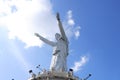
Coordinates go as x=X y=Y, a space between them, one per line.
x=57 y=36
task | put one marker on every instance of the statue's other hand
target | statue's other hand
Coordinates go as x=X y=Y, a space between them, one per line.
x=36 y=34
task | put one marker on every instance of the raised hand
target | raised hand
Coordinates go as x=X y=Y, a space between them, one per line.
x=57 y=16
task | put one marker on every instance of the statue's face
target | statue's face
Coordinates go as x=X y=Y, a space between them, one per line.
x=57 y=36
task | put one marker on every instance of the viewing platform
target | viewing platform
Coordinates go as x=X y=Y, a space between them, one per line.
x=54 y=75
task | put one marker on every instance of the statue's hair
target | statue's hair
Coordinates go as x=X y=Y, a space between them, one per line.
x=59 y=35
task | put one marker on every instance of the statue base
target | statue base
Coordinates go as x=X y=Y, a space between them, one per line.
x=54 y=75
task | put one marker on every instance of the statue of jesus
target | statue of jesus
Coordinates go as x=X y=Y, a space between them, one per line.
x=60 y=48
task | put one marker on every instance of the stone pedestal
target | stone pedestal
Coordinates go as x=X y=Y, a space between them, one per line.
x=53 y=75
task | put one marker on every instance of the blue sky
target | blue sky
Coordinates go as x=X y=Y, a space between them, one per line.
x=93 y=32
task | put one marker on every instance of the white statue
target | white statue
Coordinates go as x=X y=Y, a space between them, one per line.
x=60 y=49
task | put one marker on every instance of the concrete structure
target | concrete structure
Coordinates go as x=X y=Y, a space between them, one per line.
x=48 y=75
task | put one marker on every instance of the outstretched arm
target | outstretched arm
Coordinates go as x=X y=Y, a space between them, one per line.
x=61 y=28
x=45 y=40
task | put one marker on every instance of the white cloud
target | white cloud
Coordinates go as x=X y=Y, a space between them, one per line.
x=25 y=17
x=77 y=32
x=78 y=65
x=29 y=17
x=71 y=30
x=70 y=19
